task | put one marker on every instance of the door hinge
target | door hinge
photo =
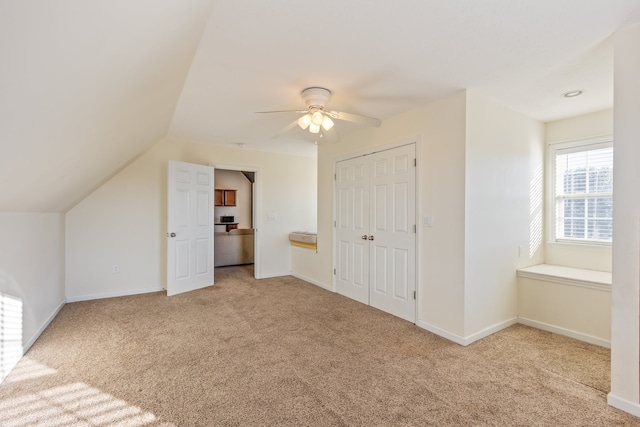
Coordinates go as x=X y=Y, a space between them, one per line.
x=414 y=294
x=415 y=228
x=334 y=271
x=335 y=176
x=334 y=224
x=415 y=162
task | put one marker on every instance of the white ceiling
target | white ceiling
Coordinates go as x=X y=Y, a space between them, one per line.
x=86 y=86
x=380 y=58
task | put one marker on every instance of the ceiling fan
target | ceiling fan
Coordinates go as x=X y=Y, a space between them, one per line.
x=317 y=120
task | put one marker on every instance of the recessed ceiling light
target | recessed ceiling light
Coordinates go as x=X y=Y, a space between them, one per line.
x=572 y=93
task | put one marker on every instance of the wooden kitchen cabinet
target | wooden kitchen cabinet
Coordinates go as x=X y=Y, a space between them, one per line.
x=225 y=197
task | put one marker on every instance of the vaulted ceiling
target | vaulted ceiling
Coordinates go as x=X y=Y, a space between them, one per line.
x=86 y=86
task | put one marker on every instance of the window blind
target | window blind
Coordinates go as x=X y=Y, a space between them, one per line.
x=584 y=193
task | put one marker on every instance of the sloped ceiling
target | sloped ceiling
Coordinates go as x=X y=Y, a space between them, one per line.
x=87 y=85
x=381 y=57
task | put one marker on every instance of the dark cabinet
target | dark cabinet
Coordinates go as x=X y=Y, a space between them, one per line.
x=225 y=197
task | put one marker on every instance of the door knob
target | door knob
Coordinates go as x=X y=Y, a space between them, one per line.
x=172 y=235
x=364 y=237
x=371 y=237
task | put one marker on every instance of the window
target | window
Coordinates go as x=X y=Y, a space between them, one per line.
x=583 y=197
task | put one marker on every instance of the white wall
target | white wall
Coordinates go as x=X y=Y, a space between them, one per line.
x=31 y=274
x=480 y=178
x=579 y=312
x=234 y=180
x=124 y=221
x=440 y=129
x=625 y=296
x=594 y=257
x=503 y=210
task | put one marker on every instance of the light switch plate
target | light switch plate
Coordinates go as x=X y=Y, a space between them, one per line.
x=427 y=221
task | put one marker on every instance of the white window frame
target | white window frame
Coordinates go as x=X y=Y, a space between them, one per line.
x=570 y=146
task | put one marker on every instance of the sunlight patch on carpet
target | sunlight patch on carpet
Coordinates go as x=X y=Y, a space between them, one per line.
x=74 y=404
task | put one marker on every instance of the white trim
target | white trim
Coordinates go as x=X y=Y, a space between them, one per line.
x=441 y=332
x=272 y=275
x=15 y=358
x=566 y=332
x=490 y=330
x=416 y=142
x=256 y=210
x=419 y=228
x=623 y=404
x=312 y=281
x=590 y=279
x=465 y=341
x=41 y=329
x=570 y=143
x=372 y=150
x=549 y=180
x=114 y=294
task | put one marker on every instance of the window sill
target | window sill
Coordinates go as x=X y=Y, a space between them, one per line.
x=580 y=244
x=599 y=280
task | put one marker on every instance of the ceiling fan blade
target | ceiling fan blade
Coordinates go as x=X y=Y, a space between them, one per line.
x=355 y=118
x=282 y=111
x=286 y=129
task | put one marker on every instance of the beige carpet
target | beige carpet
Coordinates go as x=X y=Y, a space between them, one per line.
x=284 y=352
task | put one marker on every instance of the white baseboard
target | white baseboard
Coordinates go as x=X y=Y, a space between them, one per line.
x=312 y=281
x=566 y=332
x=490 y=330
x=441 y=332
x=623 y=404
x=113 y=294
x=272 y=275
x=40 y=330
x=12 y=360
x=465 y=341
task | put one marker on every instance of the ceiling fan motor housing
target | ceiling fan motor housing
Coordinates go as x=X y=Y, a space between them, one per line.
x=316 y=97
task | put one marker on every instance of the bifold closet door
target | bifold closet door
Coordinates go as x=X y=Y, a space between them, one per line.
x=375 y=230
x=352 y=228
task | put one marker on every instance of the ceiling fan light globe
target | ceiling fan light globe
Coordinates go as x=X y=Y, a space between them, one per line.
x=327 y=123
x=317 y=118
x=304 y=121
x=314 y=128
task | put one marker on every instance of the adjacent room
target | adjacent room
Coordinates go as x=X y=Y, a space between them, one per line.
x=354 y=213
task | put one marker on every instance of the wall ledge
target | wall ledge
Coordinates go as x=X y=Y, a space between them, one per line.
x=592 y=279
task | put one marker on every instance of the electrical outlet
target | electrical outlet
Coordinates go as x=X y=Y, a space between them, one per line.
x=116 y=268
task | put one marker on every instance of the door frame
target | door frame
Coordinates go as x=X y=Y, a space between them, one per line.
x=417 y=141
x=256 y=208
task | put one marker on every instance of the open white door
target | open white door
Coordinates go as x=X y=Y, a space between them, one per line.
x=190 y=227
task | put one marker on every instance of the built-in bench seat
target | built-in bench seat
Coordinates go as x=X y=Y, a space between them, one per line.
x=568 y=275
x=569 y=301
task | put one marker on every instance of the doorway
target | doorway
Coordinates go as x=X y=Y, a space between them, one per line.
x=235 y=231
x=376 y=230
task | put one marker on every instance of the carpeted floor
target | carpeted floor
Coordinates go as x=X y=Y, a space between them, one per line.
x=283 y=352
